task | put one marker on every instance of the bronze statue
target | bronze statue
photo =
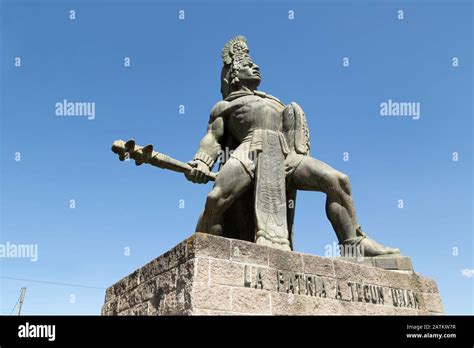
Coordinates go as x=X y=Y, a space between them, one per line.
x=254 y=194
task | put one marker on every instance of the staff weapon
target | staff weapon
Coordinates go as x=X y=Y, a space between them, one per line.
x=146 y=154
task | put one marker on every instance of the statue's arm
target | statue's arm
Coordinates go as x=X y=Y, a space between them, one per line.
x=209 y=146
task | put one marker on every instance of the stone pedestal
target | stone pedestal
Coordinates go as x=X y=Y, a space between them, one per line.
x=209 y=275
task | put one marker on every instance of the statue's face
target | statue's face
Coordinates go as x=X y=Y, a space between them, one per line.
x=249 y=73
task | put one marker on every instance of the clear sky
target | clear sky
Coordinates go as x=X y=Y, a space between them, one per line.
x=177 y=62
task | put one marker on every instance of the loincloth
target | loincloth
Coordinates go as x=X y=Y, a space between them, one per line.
x=247 y=152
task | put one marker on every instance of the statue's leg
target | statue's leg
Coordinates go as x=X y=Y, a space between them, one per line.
x=314 y=175
x=231 y=182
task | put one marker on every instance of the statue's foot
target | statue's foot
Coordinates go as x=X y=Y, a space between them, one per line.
x=370 y=248
x=362 y=245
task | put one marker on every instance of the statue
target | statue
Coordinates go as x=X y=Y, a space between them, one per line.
x=262 y=147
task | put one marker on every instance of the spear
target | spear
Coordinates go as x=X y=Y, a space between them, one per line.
x=146 y=154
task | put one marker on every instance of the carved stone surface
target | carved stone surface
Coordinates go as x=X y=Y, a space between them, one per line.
x=391 y=262
x=210 y=275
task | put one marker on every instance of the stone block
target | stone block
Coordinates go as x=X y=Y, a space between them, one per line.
x=433 y=302
x=250 y=301
x=110 y=308
x=427 y=285
x=206 y=245
x=211 y=297
x=318 y=265
x=285 y=260
x=211 y=275
x=225 y=272
x=249 y=253
x=201 y=270
x=373 y=309
x=126 y=284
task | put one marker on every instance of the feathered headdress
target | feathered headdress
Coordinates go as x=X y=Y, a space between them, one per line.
x=234 y=54
x=235 y=49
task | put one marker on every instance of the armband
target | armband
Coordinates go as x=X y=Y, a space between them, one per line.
x=205 y=158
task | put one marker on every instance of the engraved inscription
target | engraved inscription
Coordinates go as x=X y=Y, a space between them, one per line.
x=313 y=285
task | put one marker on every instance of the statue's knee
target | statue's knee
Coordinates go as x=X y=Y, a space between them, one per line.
x=337 y=182
x=214 y=196
x=216 y=199
x=344 y=182
x=331 y=182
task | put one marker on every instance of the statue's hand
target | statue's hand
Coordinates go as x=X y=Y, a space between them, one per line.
x=200 y=172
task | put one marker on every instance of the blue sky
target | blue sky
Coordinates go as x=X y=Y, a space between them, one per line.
x=176 y=62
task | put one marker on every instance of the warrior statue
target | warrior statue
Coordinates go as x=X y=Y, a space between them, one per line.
x=254 y=194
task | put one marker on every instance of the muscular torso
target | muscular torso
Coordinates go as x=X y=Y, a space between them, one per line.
x=243 y=115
